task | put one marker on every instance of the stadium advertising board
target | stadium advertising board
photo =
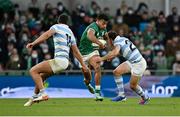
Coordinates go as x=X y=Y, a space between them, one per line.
x=72 y=86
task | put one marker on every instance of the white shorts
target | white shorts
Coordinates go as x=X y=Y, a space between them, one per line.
x=138 y=68
x=58 y=64
x=87 y=57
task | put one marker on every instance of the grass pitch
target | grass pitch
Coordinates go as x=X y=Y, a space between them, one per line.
x=89 y=107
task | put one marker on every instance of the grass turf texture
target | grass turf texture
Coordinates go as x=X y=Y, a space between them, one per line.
x=89 y=107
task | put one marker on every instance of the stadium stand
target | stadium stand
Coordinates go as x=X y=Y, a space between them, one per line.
x=155 y=35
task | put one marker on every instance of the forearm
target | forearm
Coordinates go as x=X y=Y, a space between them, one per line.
x=109 y=46
x=91 y=36
x=110 y=55
x=41 y=39
x=94 y=40
x=78 y=55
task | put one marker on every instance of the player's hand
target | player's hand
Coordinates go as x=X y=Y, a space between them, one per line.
x=29 y=45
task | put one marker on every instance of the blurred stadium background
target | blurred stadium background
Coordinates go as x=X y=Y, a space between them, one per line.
x=152 y=25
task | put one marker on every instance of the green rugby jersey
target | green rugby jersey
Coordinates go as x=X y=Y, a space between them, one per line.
x=86 y=46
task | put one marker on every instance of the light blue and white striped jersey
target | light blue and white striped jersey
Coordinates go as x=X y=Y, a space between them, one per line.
x=63 y=39
x=127 y=49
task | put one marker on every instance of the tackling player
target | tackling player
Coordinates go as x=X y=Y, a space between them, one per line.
x=135 y=64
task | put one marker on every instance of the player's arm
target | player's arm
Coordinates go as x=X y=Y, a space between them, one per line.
x=42 y=38
x=78 y=55
x=106 y=37
x=92 y=37
x=111 y=54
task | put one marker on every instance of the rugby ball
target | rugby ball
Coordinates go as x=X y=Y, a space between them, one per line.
x=101 y=40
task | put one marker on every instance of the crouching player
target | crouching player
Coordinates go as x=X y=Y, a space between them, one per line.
x=135 y=64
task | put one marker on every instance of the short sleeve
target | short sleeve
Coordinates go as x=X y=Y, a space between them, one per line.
x=93 y=27
x=73 y=40
x=117 y=41
x=53 y=28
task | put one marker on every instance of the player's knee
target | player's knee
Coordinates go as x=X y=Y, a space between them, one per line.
x=97 y=68
x=116 y=72
x=32 y=71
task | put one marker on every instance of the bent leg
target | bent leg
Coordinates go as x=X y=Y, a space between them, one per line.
x=97 y=69
x=136 y=88
x=97 y=75
x=87 y=80
x=39 y=73
x=44 y=77
x=134 y=82
x=35 y=72
x=118 y=72
x=136 y=74
x=87 y=76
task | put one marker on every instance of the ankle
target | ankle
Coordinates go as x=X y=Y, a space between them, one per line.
x=42 y=91
x=121 y=95
x=97 y=94
x=35 y=96
x=144 y=97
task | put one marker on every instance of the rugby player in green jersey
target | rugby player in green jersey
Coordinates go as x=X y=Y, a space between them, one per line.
x=90 y=43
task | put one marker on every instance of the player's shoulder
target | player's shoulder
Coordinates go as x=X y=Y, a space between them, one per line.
x=54 y=25
x=61 y=25
x=121 y=38
x=93 y=25
x=118 y=38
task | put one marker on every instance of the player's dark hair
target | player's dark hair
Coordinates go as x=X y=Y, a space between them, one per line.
x=63 y=19
x=112 y=35
x=102 y=17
